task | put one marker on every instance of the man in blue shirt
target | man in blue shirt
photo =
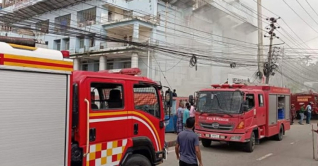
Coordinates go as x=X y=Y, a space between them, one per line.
x=187 y=148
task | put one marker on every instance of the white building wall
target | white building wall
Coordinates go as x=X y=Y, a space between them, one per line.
x=172 y=33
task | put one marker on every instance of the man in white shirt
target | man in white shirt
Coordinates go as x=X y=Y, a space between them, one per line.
x=309 y=110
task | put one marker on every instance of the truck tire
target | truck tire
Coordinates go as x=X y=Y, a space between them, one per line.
x=250 y=146
x=279 y=136
x=137 y=160
x=206 y=142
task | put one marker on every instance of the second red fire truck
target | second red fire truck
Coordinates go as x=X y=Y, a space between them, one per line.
x=242 y=114
x=303 y=98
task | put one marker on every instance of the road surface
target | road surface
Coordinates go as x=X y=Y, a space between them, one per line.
x=295 y=149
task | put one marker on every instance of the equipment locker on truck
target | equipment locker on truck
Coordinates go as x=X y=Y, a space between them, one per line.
x=52 y=115
x=34 y=106
x=242 y=114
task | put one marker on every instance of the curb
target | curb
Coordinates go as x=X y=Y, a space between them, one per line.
x=171 y=143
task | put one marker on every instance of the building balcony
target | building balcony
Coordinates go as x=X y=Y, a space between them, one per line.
x=26 y=9
x=181 y=3
x=117 y=16
x=228 y=13
x=102 y=48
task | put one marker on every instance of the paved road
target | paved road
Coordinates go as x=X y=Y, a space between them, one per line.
x=294 y=150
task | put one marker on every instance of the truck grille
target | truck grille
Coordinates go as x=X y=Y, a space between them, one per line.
x=216 y=126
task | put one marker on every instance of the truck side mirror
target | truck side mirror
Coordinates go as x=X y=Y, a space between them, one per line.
x=168 y=102
x=191 y=99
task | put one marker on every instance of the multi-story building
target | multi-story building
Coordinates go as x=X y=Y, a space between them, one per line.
x=217 y=32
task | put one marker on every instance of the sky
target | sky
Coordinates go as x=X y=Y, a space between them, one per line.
x=297 y=24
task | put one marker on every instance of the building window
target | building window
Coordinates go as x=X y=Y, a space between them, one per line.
x=110 y=66
x=81 y=43
x=85 y=67
x=86 y=17
x=146 y=99
x=66 y=44
x=96 y=66
x=127 y=64
x=106 y=96
x=91 y=42
x=62 y=23
x=110 y=16
x=43 y=26
x=57 y=44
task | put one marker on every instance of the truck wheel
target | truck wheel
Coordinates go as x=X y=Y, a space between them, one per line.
x=137 y=160
x=206 y=142
x=279 y=136
x=250 y=146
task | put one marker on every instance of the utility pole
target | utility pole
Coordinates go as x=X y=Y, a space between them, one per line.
x=281 y=67
x=260 y=37
x=268 y=68
x=148 y=63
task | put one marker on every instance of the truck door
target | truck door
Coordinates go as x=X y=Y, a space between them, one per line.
x=261 y=110
x=147 y=118
x=107 y=115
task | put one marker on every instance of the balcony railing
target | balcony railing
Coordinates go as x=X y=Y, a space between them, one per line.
x=110 y=20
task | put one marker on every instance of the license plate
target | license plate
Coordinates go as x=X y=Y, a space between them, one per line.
x=215 y=136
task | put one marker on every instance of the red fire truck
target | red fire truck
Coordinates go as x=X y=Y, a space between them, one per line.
x=242 y=114
x=50 y=117
x=299 y=99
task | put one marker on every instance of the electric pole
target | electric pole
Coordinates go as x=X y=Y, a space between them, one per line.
x=281 y=66
x=268 y=68
x=260 y=38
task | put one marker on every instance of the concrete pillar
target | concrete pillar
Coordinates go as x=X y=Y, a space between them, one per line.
x=76 y=64
x=136 y=32
x=102 y=63
x=134 y=60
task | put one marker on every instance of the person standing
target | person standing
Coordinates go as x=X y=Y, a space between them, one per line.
x=309 y=110
x=301 y=113
x=187 y=147
x=174 y=94
x=186 y=113
x=292 y=113
x=180 y=117
x=192 y=110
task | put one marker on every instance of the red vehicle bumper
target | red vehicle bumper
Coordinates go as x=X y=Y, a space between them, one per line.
x=239 y=137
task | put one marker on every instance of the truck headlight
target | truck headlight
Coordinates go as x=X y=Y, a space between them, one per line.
x=199 y=135
x=235 y=138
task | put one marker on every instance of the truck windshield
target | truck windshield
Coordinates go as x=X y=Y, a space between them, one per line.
x=219 y=102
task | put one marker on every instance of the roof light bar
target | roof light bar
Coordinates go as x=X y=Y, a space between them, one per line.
x=66 y=54
x=127 y=71
x=216 y=86
x=237 y=85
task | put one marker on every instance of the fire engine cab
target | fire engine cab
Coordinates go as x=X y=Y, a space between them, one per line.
x=52 y=115
x=242 y=114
